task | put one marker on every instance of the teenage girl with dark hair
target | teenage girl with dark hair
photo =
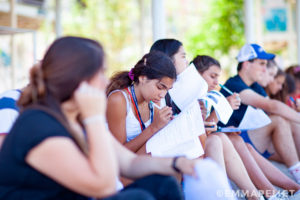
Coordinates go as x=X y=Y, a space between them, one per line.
x=59 y=147
x=129 y=96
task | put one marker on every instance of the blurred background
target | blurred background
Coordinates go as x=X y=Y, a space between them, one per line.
x=127 y=29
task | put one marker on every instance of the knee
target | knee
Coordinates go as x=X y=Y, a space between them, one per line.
x=213 y=141
x=237 y=141
x=224 y=138
x=279 y=121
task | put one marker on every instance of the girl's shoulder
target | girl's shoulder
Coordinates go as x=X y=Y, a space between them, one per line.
x=118 y=99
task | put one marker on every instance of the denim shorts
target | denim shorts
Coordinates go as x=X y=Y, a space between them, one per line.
x=245 y=136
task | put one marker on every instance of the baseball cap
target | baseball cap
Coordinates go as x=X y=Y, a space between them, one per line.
x=252 y=51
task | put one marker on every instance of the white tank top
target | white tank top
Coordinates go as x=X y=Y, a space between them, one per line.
x=133 y=127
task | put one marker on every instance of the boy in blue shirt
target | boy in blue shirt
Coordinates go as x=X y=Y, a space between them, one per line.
x=274 y=141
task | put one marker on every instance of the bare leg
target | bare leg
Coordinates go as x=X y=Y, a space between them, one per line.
x=275 y=176
x=219 y=148
x=214 y=150
x=279 y=133
x=237 y=171
x=296 y=135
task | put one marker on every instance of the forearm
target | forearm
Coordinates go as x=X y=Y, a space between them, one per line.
x=138 y=142
x=146 y=165
x=102 y=156
x=212 y=117
x=283 y=110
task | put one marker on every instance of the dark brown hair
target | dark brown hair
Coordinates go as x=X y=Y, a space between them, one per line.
x=203 y=63
x=154 y=65
x=167 y=46
x=68 y=62
x=286 y=87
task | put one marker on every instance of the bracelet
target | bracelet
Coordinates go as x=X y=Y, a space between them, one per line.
x=94 y=118
x=174 y=164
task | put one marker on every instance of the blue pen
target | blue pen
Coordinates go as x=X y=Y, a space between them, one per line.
x=155 y=105
x=229 y=92
x=226 y=89
x=293 y=100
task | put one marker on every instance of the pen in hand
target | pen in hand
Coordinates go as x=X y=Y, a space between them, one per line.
x=228 y=91
x=293 y=100
x=155 y=105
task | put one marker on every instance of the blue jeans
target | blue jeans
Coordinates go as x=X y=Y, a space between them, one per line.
x=153 y=187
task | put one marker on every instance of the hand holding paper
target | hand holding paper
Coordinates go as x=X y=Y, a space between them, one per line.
x=220 y=104
x=210 y=127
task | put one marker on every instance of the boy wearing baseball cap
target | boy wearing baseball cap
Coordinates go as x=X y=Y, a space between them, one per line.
x=274 y=141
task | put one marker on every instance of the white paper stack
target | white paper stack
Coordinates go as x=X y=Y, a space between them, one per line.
x=181 y=135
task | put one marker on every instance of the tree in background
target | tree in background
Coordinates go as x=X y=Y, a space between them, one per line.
x=220 y=30
x=109 y=22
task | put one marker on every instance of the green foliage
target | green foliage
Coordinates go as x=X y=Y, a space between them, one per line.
x=220 y=29
x=107 y=21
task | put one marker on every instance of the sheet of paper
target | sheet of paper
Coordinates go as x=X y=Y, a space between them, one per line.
x=220 y=104
x=188 y=87
x=211 y=183
x=254 y=118
x=180 y=136
x=191 y=149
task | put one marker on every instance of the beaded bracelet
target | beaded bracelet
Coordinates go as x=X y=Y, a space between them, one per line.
x=94 y=118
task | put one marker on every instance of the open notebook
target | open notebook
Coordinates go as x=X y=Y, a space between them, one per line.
x=180 y=136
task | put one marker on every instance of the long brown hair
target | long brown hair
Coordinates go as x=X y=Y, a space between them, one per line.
x=68 y=62
x=154 y=65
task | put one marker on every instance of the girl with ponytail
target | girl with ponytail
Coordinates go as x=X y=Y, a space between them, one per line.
x=131 y=115
x=60 y=148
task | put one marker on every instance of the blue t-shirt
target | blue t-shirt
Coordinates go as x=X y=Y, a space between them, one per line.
x=259 y=89
x=236 y=84
x=18 y=180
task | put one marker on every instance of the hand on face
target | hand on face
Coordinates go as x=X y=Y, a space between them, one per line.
x=234 y=100
x=90 y=100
